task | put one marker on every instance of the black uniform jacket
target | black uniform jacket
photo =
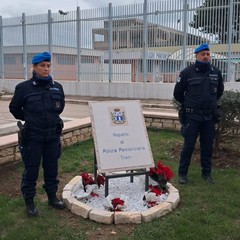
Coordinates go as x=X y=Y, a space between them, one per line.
x=38 y=103
x=198 y=90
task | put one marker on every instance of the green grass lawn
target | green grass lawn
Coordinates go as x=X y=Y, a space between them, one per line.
x=205 y=212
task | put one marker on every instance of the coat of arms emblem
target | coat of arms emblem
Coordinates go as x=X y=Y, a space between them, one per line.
x=118 y=116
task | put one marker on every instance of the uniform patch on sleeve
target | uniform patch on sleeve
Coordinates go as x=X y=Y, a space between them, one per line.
x=178 y=79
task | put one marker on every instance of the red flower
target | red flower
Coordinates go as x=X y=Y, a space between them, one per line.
x=93 y=194
x=87 y=180
x=161 y=175
x=161 y=170
x=100 y=180
x=168 y=173
x=155 y=189
x=116 y=202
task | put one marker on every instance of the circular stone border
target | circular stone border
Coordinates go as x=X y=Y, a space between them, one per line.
x=107 y=217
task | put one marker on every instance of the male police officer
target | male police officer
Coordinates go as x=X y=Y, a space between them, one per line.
x=198 y=89
x=39 y=102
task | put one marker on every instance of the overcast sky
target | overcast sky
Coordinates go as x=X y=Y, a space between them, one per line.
x=15 y=8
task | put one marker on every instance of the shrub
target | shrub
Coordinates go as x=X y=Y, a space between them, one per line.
x=229 y=127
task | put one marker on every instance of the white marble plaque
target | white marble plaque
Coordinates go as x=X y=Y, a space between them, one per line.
x=120 y=136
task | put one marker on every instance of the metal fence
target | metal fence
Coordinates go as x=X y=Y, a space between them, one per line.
x=147 y=42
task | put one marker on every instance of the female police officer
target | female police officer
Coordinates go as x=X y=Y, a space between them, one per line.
x=39 y=102
x=198 y=89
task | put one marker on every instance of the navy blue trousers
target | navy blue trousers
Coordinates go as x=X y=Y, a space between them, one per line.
x=33 y=151
x=190 y=131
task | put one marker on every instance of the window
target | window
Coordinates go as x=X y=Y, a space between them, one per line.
x=9 y=59
x=87 y=59
x=149 y=66
x=29 y=57
x=66 y=60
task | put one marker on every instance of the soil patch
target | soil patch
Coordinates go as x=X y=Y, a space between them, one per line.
x=228 y=156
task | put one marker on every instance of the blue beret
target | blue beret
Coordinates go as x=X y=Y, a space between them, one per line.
x=202 y=47
x=44 y=56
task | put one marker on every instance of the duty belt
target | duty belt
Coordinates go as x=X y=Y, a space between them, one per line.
x=43 y=132
x=199 y=111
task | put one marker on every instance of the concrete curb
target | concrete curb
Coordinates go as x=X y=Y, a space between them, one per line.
x=107 y=217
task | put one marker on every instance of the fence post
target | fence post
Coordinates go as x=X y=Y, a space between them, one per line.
x=185 y=13
x=229 y=47
x=24 y=46
x=50 y=38
x=110 y=36
x=145 y=41
x=78 y=44
x=1 y=50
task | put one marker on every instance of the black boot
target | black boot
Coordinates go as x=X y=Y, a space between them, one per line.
x=55 y=202
x=208 y=178
x=182 y=179
x=30 y=208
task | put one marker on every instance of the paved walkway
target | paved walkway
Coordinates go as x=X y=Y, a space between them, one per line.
x=76 y=108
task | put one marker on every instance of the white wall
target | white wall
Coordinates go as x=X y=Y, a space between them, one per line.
x=99 y=72
x=120 y=90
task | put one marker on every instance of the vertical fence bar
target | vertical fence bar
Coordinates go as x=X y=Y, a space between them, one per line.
x=185 y=12
x=229 y=47
x=1 y=50
x=110 y=37
x=50 y=37
x=78 y=44
x=24 y=46
x=145 y=40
